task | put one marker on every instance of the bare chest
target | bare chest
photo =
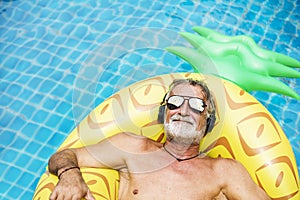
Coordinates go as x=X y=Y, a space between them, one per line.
x=176 y=181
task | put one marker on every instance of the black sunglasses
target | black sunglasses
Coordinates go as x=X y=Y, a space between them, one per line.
x=176 y=101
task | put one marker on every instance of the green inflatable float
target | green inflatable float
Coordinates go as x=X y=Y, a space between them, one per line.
x=239 y=60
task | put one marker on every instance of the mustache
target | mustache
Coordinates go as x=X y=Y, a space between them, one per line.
x=187 y=119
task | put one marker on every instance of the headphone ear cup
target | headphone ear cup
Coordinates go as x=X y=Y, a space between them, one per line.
x=210 y=123
x=161 y=114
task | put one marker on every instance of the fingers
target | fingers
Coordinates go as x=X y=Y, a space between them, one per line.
x=76 y=197
x=89 y=196
x=53 y=195
x=59 y=195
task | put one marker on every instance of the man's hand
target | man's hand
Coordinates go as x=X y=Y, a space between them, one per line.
x=71 y=186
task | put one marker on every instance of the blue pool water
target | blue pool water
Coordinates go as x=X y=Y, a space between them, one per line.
x=59 y=59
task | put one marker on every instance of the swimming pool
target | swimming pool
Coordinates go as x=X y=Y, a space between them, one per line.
x=59 y=59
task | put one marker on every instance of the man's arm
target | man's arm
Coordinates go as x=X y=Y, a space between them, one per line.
x=237 y=182
x=61 y=161
x=110 y=153
x=64 y=164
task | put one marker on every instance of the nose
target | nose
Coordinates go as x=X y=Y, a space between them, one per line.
x=184 y=109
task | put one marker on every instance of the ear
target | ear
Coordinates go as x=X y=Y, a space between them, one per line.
x=161 y=114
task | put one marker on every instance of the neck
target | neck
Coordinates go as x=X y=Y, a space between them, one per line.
x=181 y=152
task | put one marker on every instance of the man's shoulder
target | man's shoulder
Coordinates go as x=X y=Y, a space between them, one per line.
x=226 y=163
x=127 y=137
x=227 y=167
x=221 y=164
x=134 y=141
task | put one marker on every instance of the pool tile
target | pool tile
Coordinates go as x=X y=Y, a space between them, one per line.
x=3 y=84
x=7 y=138
x=56 y=140
x=66 y=125
x=255 y=7
x=60 y=91
x=258 y=29
x=246 y=25
x=50 y=103
x=74 y=56
x=33 y=147
x=45 y=152
x=286 y=38
x=278 y=101
x=27 y=93
x=80 y=31
x=23 y=79
x=5 y=100
x=53 y=120
x=268 y=44
x=18 y=122
x=291 y=5
x=32 y=54
x=251 y=16
x=12 y=61
x=23 y=159
x=43 y=58
x=296 y=42
x=4 y=186
x=26 y=195
x=28 y=111
x=290 y=117
x=6 y=118
x=63 y=108
x=15 y=192
x=42 y=135
x=231 y=19
x=290 y=28
x=44 y=73
x=67 y=30
x=288 y=130
x=69 y=96
x=40 y=116
x=12 y=174
x=63 y=51
x=36 y=165
x=282 y=48
x=8 y=155
x=274 y=110
x=37 y=98
x=47 y=86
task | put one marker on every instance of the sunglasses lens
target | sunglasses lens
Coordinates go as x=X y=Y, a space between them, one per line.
x=174 y=102
x=196 y=104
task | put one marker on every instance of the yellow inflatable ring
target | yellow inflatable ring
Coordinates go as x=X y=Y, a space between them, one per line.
x=249 y=134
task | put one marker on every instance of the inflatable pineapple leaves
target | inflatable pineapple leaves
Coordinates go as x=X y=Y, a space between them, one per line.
x=239 y=60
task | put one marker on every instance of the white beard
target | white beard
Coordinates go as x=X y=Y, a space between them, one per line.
x=182 y=130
